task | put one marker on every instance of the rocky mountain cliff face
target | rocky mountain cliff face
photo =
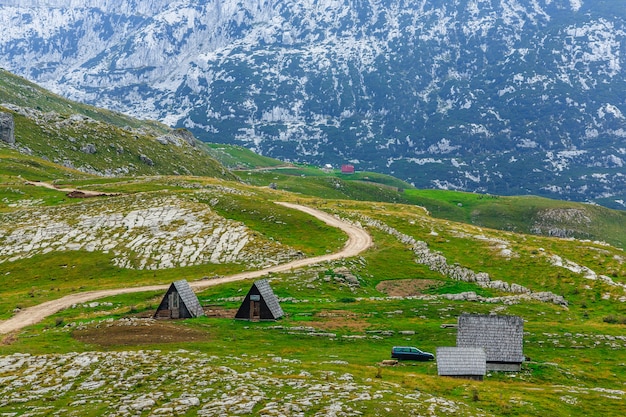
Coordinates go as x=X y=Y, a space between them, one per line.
x=499 y=96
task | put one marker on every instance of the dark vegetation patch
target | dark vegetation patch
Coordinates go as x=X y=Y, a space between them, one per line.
x=220 y=312
x=339 y=320
x=140 y=332
x=614 y=319
x=407 y=287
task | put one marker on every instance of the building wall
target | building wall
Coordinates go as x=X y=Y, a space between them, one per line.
x=504 y=367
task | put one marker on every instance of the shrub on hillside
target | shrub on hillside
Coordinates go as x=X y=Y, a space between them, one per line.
x=613 y=319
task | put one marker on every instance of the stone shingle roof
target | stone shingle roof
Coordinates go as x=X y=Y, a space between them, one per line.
x=502 y=337
x=189 y=298
x=457 y=361
x=269 y=297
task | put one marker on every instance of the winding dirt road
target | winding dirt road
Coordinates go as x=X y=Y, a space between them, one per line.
x=83 y=193
x=358 y=241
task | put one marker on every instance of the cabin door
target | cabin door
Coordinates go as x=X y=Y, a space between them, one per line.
x=255 y=307
x=174 y=304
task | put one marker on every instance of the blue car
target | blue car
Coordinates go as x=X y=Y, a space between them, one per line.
x=410 y=353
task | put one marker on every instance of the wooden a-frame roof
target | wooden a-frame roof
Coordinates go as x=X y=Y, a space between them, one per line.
x=270 y=308
x=187 y=297
x=270 y=298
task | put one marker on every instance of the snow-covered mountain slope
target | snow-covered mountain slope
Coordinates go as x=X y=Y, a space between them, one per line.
x=501 y=96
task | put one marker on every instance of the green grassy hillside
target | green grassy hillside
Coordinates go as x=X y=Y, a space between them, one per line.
x=526 y=214
x=523 y=214
x=237 y=157
x=15 y=167
x=20 y=92
x=96 y=141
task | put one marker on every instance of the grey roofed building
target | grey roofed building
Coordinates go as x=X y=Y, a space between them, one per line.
x=502 y=337
x=458 y=362
x=179 y=302
x=260 y=303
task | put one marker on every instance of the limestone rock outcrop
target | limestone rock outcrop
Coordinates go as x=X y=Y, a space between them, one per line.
x=7 y=128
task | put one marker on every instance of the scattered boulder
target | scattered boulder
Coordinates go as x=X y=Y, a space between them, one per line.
x=166 y=140
x=146 y=160
x=549 y=297
x=89 y=149
x=143 y=404
x=7 y=128
x=117 y=148
x=344 y=275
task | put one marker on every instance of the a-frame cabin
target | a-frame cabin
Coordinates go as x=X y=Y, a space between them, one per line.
x=179 y=302
x=260 y=303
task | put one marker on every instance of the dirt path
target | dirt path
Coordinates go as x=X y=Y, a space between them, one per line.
x=358 y=241
x=85 y=193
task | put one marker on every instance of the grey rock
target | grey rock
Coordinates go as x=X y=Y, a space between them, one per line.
x=185 y=135
x=163 y=140
x=344 y=275
x=89 y=148
x=178 y=137
x=7 y=128
x=143 y=404
x=146 y=160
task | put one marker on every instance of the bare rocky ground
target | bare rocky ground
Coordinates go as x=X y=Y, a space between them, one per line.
x=143 y=232
x=153 y=383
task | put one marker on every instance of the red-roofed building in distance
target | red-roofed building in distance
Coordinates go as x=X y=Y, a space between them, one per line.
x=347 y=169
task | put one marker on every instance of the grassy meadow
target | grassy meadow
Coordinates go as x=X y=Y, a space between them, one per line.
x=576 y=364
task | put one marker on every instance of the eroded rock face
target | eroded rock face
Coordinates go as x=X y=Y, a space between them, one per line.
x=7 y=128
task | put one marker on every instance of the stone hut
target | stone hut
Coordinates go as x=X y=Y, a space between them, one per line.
x=502 y=338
